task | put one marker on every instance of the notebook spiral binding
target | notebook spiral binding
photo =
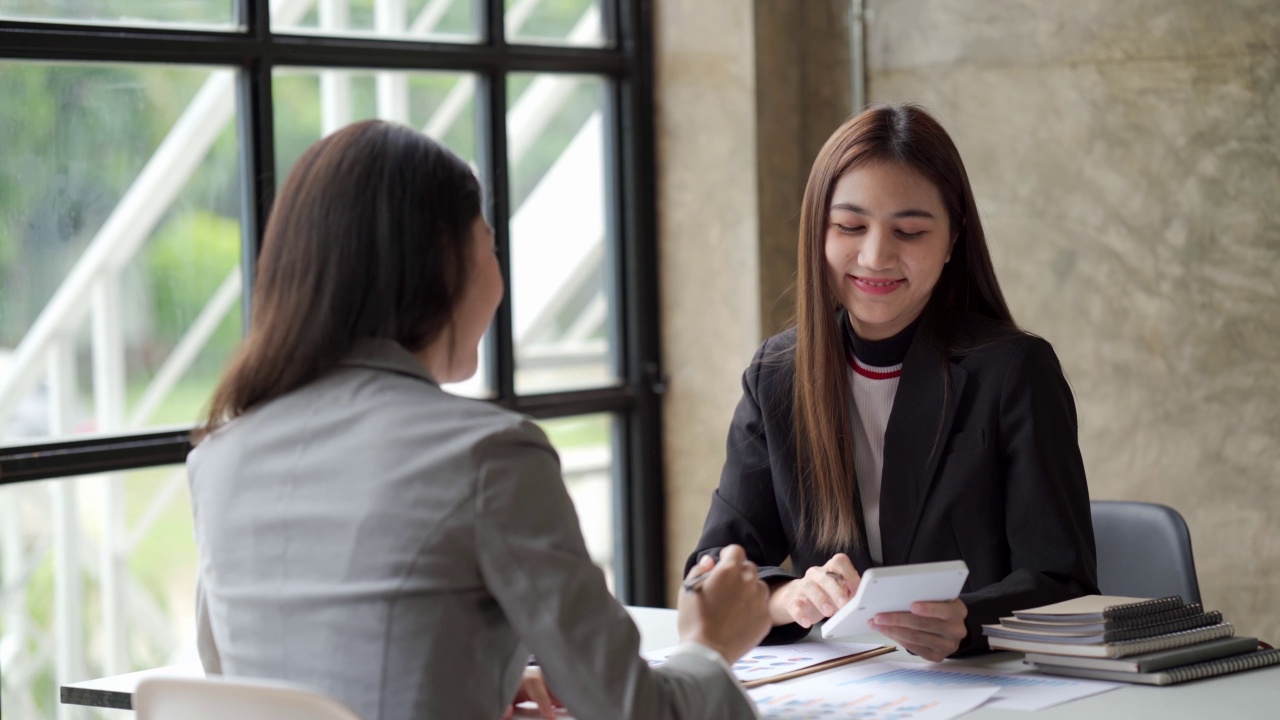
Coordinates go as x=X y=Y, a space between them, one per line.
x=1173 y=640
x=1176 y=626
x=1146 y=607
x=1160 y=618
x=1225 y=666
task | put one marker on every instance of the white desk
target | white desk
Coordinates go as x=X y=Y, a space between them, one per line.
x=1243 y=696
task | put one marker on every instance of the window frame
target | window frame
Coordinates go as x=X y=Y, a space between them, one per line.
x=631 y=257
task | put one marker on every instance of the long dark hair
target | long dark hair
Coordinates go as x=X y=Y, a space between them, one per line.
x=368 y=238
x=904 y=135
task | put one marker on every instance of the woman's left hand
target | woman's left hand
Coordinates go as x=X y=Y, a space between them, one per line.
x=533 y=688
x=932 y=630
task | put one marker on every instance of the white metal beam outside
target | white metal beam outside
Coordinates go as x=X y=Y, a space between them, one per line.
x=188 y=348
x=544 y=97
x=335 y=85
x=432 y=13
x=133 y=219
x=124 y=231
x=68 y=581
x=109 y=400
x=389 y=17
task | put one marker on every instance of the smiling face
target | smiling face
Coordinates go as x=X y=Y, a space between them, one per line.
x=887 y=239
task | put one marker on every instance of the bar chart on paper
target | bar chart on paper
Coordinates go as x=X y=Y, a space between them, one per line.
x=774 y=660
x=816 y=700
x=1017 y=691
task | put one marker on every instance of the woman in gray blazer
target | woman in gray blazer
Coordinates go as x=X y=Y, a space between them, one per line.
x=397 y=547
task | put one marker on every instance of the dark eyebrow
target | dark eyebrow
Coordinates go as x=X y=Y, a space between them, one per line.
x=908 y=213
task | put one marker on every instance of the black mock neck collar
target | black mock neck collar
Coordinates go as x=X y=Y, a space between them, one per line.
x=878 y=353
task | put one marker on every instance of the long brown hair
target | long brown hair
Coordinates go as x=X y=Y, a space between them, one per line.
x=908 y=136
x=368 y=238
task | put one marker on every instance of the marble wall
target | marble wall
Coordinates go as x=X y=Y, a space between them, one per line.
x=1126 y=159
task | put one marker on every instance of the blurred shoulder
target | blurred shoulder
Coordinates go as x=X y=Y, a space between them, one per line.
x=983 y=342
x=772 y=370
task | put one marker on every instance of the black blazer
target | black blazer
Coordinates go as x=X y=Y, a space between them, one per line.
x=1005 y=492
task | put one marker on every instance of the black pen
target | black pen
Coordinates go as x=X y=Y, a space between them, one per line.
x=693 y=583
x=696 y=581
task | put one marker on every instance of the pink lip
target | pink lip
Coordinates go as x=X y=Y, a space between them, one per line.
x=866 y=286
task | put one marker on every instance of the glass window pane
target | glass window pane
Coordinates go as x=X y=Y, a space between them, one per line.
x=81 y=602
x=561 y=289
x=585 y=444
x=555 y=22
x=434 y=20
x=311 y=103
x=203 y=14
x=119 y=245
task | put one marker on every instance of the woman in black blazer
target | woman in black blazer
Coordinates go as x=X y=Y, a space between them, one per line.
x=906 y=418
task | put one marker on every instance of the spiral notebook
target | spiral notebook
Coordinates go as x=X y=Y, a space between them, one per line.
x=1155 y=661
x=1093 y=608
x=1083 y=628
x=1104 y=636
x=1116 y=649
x=1186 y=673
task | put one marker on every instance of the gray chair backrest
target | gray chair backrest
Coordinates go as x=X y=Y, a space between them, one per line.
x=218 y=698
x=1144 y=550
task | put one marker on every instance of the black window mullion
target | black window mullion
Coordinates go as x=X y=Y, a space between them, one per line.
x=81 y=456
x=495 y=22
x=609 y=15
x=256 y=18
x=623 y=475
x=45 y=41
x=493 y=154
x=255 y=115
x=618 y=399
x=639 y=435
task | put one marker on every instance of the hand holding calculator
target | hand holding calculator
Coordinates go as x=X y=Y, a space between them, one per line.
x=894 y=589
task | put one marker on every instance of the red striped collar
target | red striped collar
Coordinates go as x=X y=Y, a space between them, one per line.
x=875 y=373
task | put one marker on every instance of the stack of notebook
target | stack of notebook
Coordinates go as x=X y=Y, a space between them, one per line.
x=1155 y=642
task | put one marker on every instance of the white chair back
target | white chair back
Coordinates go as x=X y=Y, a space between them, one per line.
x=219 y=698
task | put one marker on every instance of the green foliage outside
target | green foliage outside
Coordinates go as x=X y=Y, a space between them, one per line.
x=186 y=262
x=207 y=12
x=583 y=431
x=553 y=19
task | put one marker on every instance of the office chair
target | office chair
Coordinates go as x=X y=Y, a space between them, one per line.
x=218 y=698
x=1144 y=550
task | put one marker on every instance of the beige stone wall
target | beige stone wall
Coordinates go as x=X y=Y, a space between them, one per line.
x=746 y=91
x=1126 y=158
x=707 y=232
x=802 y=94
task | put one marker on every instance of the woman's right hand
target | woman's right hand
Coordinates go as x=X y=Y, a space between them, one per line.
x=815 y=596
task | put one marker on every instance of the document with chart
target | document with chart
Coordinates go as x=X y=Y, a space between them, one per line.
x=771 y=661
x=1015 y=690
x=821 y=697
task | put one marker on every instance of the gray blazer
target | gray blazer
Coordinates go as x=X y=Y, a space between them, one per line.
x=403 y=550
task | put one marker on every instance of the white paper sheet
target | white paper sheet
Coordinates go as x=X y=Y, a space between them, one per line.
x=816 y=698
x=1017 y=690
x=774 y=660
